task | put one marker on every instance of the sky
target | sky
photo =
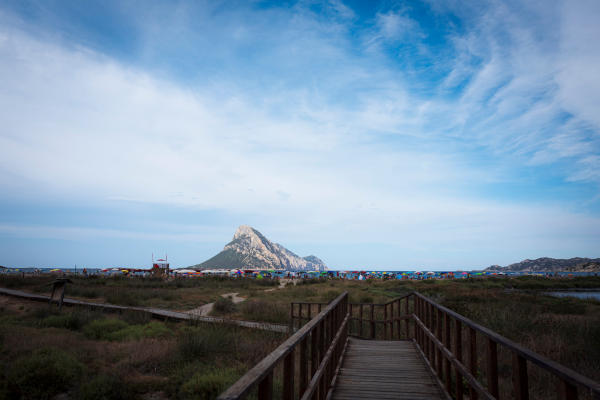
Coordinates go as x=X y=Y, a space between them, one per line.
x=435 y=134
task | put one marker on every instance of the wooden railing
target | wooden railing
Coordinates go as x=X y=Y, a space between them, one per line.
x=311 y=357
x=461 y=353
x=386 y=321
x=441 y=334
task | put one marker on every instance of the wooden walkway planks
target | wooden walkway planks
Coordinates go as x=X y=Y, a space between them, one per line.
x=154 y=312
x=377 y=369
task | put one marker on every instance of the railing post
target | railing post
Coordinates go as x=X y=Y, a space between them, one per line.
x=321 y=340
x=291 y=318
x=314 y=350
x=492 y=367
x=422 y=318
x=440 y=338
x=265 y=387
x=300 y=314
x=372 y=319
x=406 y=313
x=360 y=317
x=351 y=321
x=426 y=322
x=430 y=326
x=472 y=360
x=566 y=390
x=458 y=355
x=288 y=376
x=447 y=375
x=520 y=383
x=385 y=322
x=303 y=383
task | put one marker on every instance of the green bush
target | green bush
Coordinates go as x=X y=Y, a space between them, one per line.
x=118 y=330
x=152 y=329
x=105 y=387
x=122 y=297
x=195 y=343
x=208 y=384
x=103 y=328
x=43 y=374
x=74 y=320
x=259 y=310
x=224 y=305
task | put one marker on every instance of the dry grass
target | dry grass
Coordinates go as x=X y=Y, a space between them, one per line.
x=189 y=362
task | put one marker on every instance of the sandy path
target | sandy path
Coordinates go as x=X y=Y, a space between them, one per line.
x=282 y=284
x=206 y=309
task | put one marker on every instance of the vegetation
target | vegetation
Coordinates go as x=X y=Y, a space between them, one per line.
x=95 y=355
x=199 y=360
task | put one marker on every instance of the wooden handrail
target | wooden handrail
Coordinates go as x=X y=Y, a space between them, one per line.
x=328 y=335
x=387 y=327
x=438 y=333
x=428 y=322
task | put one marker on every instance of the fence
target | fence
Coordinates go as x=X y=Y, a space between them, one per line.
x=439 y=334
x=444 y=337
x=311 y=357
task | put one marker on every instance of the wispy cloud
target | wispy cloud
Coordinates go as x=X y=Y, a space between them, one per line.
x=301 y=118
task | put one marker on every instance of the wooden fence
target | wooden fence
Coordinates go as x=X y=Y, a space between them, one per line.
x=442 y=336
x=452 y=345
x=387 y=321
x=311 y=357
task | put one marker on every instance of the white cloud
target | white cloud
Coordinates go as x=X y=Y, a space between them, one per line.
x=324 y=157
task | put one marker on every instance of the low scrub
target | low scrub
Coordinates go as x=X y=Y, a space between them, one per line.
x=105 y=387
x=224 y=305
x=208 y=384
x=118 y=330
x=259 y=310
x=195 y=343
x=43 y=374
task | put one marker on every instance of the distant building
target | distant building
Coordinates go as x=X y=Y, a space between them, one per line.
x=160 y=266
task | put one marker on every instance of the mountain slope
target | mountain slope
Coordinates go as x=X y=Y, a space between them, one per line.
x=546 y=264
x=250 y=249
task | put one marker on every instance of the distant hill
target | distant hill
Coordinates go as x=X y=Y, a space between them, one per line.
x=250 y=249
x=546 y=264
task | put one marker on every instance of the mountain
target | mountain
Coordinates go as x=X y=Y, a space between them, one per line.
x=546 y=264
x=250 y=249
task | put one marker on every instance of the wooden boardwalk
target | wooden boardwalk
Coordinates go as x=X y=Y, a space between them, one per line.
x=154 y=312
x=383 y=369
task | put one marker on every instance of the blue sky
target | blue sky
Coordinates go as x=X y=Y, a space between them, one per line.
x=434 y=134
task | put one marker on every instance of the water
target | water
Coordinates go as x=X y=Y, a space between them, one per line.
x=595 y=294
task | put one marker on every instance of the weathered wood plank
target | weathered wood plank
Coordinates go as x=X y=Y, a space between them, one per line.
x=375 y=369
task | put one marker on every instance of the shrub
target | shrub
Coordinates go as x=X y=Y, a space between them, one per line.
x=122 y=297
x=101 y=328
x=74 y=320
x=117 y=330
x=259 y=310
x=152 y=329
x=208 y=384
x=197 y=342
x=43 y=374
x=105 y=387
x=224 y=305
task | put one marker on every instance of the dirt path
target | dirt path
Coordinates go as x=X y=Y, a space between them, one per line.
x=282 y=284
x=206 y=309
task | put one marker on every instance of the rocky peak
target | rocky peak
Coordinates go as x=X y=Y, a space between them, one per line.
x=249 y=248
x=243 y=230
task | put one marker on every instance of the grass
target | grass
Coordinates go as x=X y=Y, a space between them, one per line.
x=86 y=355
x=168 y=357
